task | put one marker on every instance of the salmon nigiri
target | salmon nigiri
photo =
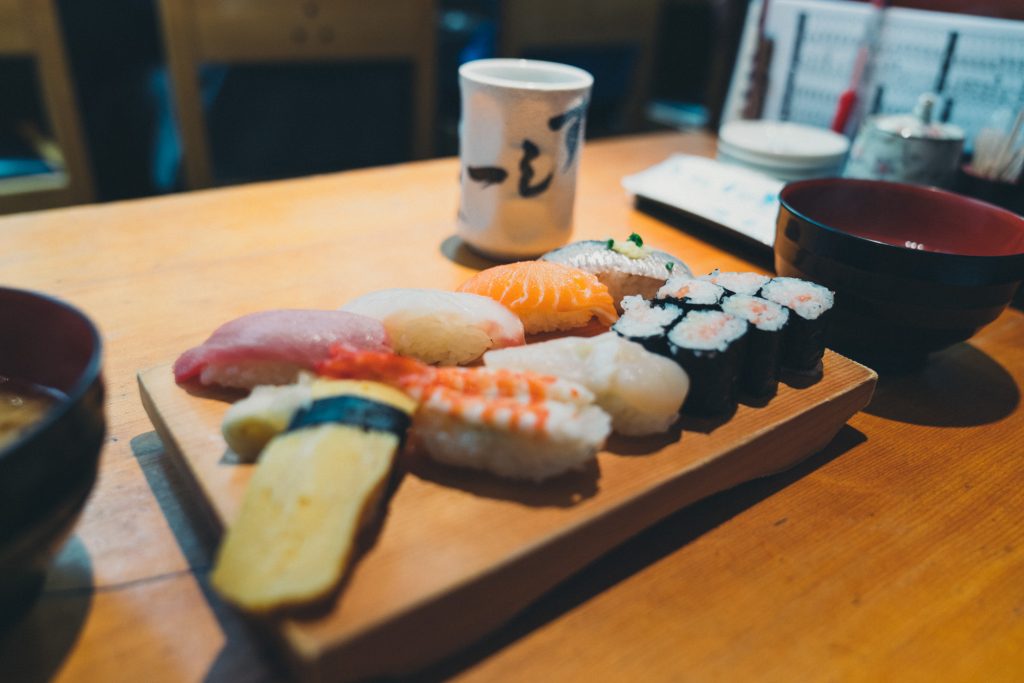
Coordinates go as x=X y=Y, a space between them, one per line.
x=546 y=296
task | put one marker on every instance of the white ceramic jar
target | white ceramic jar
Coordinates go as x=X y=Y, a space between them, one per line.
x=907 y=148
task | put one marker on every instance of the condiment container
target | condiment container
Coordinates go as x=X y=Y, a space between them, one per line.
x=907 y=148
x=782 y=149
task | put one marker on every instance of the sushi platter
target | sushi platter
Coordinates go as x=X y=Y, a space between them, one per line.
x=458 y=552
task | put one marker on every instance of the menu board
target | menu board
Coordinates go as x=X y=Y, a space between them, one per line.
x=975 y=65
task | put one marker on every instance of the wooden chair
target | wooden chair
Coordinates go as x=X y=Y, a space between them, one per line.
x=532 y=25
x=251 y=31
x=29 y=28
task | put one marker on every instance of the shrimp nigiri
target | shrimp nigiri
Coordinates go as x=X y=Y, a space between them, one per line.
x=521 y=425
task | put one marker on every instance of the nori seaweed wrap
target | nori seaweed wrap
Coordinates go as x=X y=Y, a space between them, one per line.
x=737 y=282
x=647 y=324
x=690 y=294
x=709 y=345
x=759 y=375
x=810 y=303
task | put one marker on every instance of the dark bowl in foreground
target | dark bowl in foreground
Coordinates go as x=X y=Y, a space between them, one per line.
x=47 y=471
x=915 y=269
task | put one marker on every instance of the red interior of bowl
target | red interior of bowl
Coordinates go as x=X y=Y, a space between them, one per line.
x=908 y=216
x=44 y=341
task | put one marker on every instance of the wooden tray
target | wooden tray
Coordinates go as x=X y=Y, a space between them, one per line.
x=458 y=553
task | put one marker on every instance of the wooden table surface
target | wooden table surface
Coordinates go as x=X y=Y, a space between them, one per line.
x=896 y=553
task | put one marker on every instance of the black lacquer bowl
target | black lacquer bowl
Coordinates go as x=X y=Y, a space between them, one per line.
x=46 y=473
x=915 y=269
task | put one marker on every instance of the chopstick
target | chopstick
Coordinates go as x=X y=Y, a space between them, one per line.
x=997 y=155
x=1009 y=152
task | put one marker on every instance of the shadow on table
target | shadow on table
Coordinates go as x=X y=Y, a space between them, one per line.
x=562 y=491
x=643 y=550
x=958 y=387
x=457 y=251
x=34 y=648
x=246 y=656
x=243 y=658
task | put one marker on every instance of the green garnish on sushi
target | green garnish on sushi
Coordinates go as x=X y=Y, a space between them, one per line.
x=631 y=247
x=669 y=266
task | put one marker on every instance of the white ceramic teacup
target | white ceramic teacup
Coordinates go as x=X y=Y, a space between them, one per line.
x=520 y=139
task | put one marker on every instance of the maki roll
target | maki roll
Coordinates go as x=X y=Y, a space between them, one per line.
x=647 y=324
x=737 y=283
x=709 y=345
x=690 y=293
x=626 y=267
x=804 y=342
x=759 y=375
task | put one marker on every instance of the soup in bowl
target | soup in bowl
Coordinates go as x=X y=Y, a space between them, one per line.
x=51 y=430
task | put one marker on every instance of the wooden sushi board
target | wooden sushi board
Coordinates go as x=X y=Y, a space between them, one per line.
x=458 y=553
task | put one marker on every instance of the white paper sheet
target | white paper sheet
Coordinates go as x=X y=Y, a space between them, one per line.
x=730 y=197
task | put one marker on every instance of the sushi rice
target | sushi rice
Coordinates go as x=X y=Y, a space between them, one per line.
x=647 y=324
x=567 y=439
x=440 y=327
x=735 y=282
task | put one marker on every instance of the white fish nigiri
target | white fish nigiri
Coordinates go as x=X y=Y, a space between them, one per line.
x=642 y=391
x=440 y=327
x=272 y=347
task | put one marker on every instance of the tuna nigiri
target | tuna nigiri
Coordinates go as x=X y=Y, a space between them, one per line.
x=439 y=327
x=272 y=347
x=546 y=296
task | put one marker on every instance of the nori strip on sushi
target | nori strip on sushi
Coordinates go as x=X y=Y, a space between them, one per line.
x=647 y=324
x=759 y=375
x=710 y=346
x=810 y=303
x=355 y=411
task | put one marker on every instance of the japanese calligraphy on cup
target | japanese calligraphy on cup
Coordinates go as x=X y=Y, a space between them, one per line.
x=519 y=144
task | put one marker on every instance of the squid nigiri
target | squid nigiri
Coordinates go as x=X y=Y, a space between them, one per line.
x=642 y=392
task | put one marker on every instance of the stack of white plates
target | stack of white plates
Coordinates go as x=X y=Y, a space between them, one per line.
x=783 y=150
